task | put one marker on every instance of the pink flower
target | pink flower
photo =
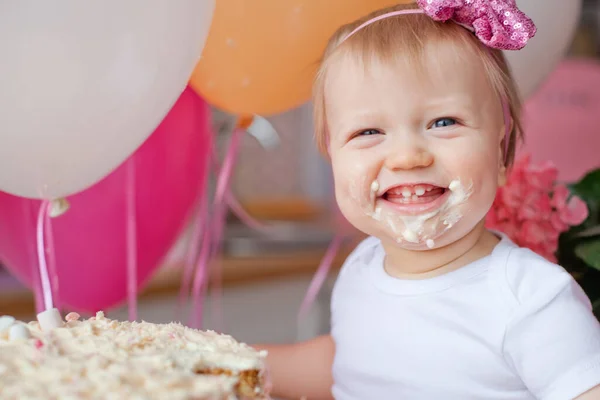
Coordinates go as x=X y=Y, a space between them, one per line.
x=512 y=195
x=531 y=233
x=536 y=205
x=542 y=176
x=533 y=210
x=572 y=211
x=557 y=223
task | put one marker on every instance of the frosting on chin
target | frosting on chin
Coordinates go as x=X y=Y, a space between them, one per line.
x=425 y=228
x=100 y=358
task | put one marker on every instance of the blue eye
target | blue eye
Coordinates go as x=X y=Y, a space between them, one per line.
x=443 y=122
x=368 y=132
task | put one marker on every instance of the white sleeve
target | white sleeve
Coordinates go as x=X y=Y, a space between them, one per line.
x=553 y=340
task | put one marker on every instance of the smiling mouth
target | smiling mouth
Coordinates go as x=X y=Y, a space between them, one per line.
x=415 y=199
x=414 y=194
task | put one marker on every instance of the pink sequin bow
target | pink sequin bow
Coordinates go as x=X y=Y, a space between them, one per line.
x=497 y=23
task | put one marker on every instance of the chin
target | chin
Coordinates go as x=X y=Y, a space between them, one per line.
x=441 y=239
x=413 y=246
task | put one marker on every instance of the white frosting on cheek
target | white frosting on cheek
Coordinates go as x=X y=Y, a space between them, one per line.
x=459 y=195
x=373 y=193
x=374 y=186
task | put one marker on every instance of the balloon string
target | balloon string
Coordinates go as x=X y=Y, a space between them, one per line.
x=217 y=276
x=29 y=212
x=243 y=215
x=235 y=206
x=199 y=226
x=220 y=223
x=41 y=252
x=321 y=274
x=227 y=166
x=51 y=259
x=131 y=232
x=213 y=234
x=198 y=281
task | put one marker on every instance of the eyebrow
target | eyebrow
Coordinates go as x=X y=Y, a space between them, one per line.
x=366 y=118
x=460 y=100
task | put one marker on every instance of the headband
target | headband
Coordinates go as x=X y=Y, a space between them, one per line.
x=498 y=24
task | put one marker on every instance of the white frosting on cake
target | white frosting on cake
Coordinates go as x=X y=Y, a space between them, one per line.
x=101 y=358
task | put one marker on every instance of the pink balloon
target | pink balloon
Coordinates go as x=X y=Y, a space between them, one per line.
x=561 y=119
x=90 y=239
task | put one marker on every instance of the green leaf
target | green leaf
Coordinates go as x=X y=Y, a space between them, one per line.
x=589 y=252
x=596 y=309
x=588 y=188
x=596 y=305
x=588 y=233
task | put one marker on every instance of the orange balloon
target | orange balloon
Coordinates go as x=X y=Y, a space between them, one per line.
x=261 y=55
x=244 y=121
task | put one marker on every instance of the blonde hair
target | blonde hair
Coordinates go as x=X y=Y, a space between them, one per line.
x=407 y=36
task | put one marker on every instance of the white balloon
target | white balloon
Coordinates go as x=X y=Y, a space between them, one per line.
x=84 y=83
x=556 y=22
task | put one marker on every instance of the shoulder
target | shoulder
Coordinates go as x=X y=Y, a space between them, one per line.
x=551 y=337
x=364 y=254
x=366 y=250
x=354 y=271
x=527 y=276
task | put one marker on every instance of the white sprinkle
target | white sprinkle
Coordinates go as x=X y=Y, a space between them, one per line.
x=430 y=243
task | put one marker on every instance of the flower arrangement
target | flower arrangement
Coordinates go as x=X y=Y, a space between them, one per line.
x=559 y=221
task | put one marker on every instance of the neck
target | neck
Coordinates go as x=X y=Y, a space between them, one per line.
x=422 y=264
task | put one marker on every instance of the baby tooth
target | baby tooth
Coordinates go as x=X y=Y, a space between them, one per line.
x=406 y=193
x=419 y=191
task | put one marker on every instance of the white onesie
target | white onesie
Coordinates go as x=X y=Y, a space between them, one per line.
x=509 y=326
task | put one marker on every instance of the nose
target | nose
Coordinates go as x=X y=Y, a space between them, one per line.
x=408 y=153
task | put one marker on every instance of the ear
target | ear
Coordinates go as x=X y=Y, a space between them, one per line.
x=501 y=175
x=501 y=149
x=502 y=134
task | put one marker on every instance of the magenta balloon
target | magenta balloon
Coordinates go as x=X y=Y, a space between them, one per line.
x=90 y=239
x=561 y=119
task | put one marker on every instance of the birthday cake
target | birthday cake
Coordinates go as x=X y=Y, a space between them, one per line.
x=100 y=358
